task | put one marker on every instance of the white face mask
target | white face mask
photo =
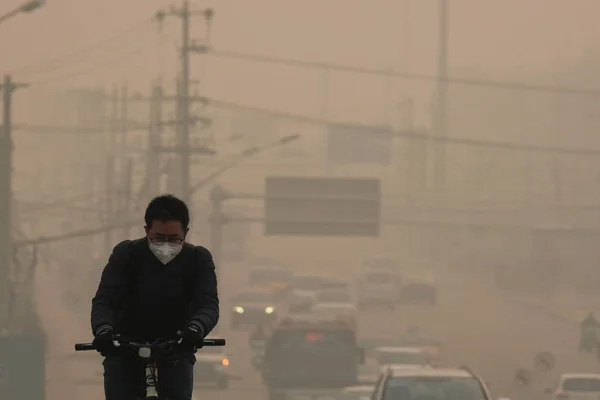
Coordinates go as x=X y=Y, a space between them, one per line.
x=165 y=252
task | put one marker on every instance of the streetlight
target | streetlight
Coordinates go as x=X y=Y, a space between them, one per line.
x=250 y=152
x=32 y=5
x=26 y=7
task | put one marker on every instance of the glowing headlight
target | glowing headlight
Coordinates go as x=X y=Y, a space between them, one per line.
x=225 y=362
x=239 y=310
x=270 y=310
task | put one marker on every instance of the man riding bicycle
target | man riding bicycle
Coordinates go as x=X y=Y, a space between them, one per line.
x=152 y=288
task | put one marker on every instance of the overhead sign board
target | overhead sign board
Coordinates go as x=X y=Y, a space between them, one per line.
x=359 y=144
x=322 y=206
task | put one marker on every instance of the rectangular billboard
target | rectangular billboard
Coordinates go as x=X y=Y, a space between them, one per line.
x=322 y=206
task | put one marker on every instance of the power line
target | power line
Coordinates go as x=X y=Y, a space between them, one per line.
x=117 y=61
x=292 y=62
x=417 y=136
x=50 y=64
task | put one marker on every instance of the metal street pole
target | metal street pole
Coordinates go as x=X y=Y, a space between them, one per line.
x=185 y=102
x=440 y=126
x=6 y=199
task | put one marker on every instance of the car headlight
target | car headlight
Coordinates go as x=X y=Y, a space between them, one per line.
x=239 y=310
x=269 y=310
x=225 y=362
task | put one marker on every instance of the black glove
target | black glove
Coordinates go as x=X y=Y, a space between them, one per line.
x=192 y=337
x=103 y=340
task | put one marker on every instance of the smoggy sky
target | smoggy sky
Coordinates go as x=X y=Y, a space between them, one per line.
x=530 y=40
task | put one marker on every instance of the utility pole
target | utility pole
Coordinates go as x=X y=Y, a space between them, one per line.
x=188 y=47
x=440 y=127
x=153 y=165
x=217 y=196
x=127 y=195
x=158 y=145
x=175 y=180
x=123 y=125
x=110 y=168
x=6 y=199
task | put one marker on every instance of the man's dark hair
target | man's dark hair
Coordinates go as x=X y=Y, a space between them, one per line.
x=167 y=208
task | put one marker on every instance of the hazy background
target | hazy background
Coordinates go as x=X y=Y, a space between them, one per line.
x=60 y=171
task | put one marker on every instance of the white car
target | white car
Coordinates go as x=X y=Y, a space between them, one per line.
x=435 y=383
x=378 y=288
x=577 y=387
x=307 y=285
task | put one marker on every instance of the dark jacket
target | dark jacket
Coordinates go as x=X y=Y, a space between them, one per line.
x=144 y=299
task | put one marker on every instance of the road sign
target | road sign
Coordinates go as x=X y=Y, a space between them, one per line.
x=359 y=144
x=322 y=206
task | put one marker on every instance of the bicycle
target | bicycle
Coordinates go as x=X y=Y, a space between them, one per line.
x=150 y=353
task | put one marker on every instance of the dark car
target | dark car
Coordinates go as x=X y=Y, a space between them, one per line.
x=307 y=355
x=253 y=307
x=212 y=368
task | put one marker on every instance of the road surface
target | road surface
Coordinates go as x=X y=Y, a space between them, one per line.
x=477 y=325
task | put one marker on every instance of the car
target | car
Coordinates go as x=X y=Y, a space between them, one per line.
x=378 y=288
x=580 y=386
x=359 y=392
x=435 y=383
x=252 y=307
x=308 y=285
x=410 y=356
x=384 y=264
x=309 y=355
x=212 y=368
x=341 y=311
x=333 y=296
x=273 y=277
x=415 y=293
x=299 y=302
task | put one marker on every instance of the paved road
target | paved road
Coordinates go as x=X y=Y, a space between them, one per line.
x=477 y=325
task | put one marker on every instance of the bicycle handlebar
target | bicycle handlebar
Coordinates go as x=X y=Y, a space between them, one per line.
x=119 y=342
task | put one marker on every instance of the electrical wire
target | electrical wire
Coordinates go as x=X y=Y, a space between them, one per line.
x=66 y=59
x=292 y=62
x=116 y=61
x=417 y=136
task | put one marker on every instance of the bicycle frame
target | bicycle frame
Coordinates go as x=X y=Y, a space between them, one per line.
x=151 y=385
x=151 y=369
